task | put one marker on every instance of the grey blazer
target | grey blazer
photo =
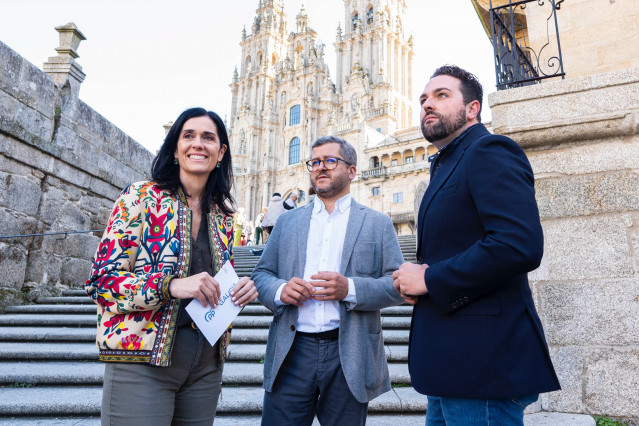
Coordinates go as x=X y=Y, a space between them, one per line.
x=371 y=253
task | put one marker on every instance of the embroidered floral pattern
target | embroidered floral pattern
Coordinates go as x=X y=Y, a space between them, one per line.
x=146 y=241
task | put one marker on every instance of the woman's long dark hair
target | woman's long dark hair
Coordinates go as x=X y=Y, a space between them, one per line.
x=166 y=174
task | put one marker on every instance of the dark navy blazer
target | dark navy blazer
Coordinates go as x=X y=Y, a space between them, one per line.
x=476 y=334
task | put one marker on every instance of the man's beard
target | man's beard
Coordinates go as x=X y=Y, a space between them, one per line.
x=335 y=187
x=445 y=126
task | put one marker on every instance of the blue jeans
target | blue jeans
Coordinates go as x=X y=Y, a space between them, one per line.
x=477 y=412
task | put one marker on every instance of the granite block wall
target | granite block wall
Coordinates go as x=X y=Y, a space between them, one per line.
x=61 y=166
x=581 y=136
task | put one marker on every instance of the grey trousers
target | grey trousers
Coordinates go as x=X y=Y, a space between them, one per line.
x=311 y=382
x=186 y=393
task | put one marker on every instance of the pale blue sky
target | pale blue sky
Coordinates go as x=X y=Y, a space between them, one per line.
x=146 y=61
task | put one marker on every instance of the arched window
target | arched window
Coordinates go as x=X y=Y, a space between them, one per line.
x=294 y=117
x=294 y=151
x=369 y=16
x=355 y=18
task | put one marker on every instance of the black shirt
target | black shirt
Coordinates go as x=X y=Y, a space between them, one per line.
x=201 y=261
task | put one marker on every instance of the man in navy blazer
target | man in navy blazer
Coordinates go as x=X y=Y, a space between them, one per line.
x=477 y=346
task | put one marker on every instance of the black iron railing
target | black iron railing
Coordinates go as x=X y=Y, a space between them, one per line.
x=516 y=62
x=46 y=234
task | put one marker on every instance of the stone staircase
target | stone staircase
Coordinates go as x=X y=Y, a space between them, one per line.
x=50 y=373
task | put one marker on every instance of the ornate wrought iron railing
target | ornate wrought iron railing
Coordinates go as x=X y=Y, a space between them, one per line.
x=516 y=62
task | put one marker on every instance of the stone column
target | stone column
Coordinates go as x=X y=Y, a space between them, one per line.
x=63 y=68
x=582 y=138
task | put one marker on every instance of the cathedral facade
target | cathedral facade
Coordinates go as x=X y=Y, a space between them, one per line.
x=284 y=99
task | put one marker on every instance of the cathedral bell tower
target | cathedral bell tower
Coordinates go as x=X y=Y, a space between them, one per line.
x=252 y=92
x=374 y=64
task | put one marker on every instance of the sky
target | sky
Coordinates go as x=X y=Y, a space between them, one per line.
x=147 y=61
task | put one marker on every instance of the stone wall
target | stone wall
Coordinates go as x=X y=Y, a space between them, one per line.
x=596 y=36
x=61 y=166
x=582 y=138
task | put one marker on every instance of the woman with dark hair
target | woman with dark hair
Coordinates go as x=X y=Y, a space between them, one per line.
x=164 y=242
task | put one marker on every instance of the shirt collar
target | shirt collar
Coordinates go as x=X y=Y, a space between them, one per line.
x=343 y=204
x=458 y=138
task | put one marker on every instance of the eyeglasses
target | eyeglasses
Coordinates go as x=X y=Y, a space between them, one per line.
x=329 y=163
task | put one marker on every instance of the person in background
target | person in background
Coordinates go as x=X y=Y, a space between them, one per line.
x=290 y=203
x=248 y=232
x=238 y=223
x=477 y=346
x=258 y=227
x=274 y=209
x=311 y=196
x=164 y=242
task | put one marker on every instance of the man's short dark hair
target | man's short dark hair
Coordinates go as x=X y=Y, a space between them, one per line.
x=470 y=86
x=277 y=194
x=345 y=148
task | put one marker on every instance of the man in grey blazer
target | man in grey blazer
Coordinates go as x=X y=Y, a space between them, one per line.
x=325 y=273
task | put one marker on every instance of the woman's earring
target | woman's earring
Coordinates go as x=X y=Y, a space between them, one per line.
x=218 y=165
x=175 y=161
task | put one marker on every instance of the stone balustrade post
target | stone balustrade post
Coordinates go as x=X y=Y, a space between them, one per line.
x=64 y=69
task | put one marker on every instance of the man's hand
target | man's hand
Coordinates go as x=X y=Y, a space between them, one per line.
x=200 y=286
x=335 y=286
x=296 y=292
x=408 y=280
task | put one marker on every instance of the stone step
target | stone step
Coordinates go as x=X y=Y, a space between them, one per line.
x=88 y=334
x=79 y=320
x=89 y=320
x=31 y=351
x=91 y=373
x=256 y=352
x=54 y=351
x=537 y=419
x=251 y=309
x=65 y=299
x=86 y=400
x=50 y=401
x=75 y=292
x=46 y=309
x=47 y=334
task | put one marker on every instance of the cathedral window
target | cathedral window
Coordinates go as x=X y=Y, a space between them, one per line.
x=355 y=18
x=294 y=117
x=294 y=151
x=369 y=16
x=398 y=197
x=377 y=191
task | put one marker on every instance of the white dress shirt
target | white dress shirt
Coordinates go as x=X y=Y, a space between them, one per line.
x=323 y=253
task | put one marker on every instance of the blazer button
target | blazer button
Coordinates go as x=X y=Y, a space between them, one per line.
x=292 y=328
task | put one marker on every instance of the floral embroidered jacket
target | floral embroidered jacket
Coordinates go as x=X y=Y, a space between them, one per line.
x=147 y=242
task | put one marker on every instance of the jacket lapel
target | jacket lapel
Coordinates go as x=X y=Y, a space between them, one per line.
x=442 y=175
x=355 y=222
x=301 y=229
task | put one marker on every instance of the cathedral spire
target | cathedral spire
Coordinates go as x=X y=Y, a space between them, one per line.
x=302 y=20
